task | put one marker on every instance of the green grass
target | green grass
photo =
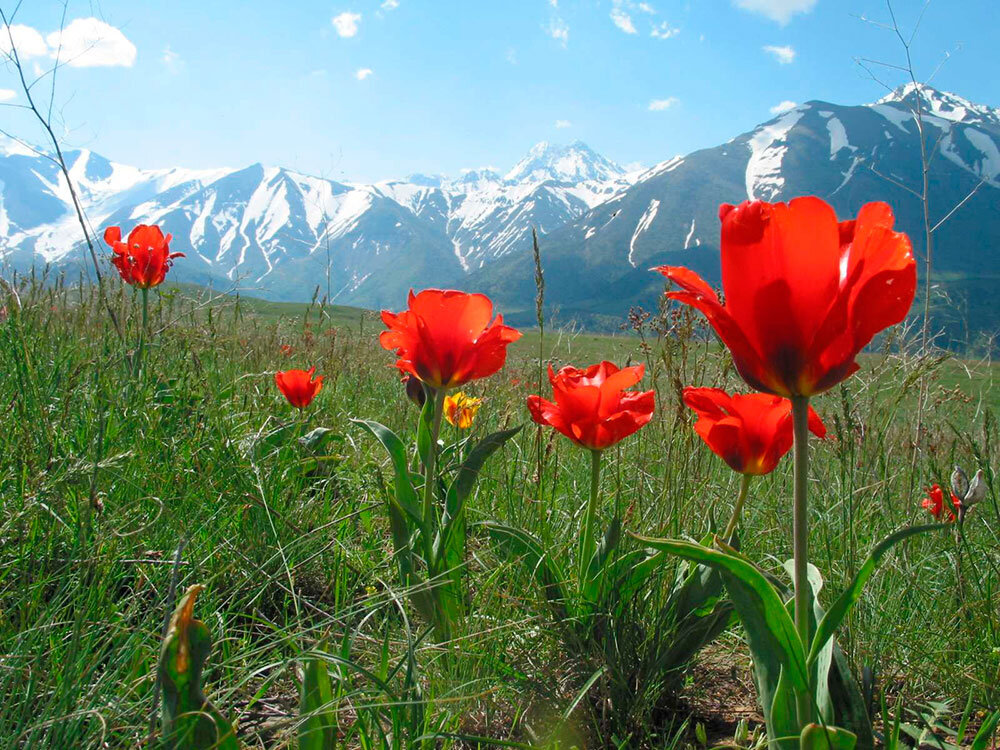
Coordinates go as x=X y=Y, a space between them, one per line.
x=104 y=475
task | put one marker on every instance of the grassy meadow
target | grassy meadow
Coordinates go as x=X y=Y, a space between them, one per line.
x=118 y=491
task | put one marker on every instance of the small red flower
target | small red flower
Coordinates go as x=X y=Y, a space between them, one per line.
x=298 y=386
x=592 y=407
x=287 y=350
x=446 y=338
x=750 y=432
x=934 y=503
x=144 y=260
x=804 y=293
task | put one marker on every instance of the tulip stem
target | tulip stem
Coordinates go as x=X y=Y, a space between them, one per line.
x=431 y=466
x=587 y=538
x=734 y=520
x=142 y=331
x=800 y=539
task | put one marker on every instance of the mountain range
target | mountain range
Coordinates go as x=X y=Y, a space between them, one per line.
x=282 y=233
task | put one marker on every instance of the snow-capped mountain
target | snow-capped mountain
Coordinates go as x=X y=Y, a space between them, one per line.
x=596 y=266
x=573 y=164
x=282 y=233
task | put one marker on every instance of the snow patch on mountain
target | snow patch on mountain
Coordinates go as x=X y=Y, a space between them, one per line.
x=838 y=137
x=662 y=168
x=690 y=234
x=644 y=221
x=989 y=164
x=767 y=150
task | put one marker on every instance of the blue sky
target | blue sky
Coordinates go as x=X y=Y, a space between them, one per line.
x=454 y=84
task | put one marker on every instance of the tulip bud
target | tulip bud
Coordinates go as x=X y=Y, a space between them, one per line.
x=977 y=490
x=959 y=482
x=415 y=390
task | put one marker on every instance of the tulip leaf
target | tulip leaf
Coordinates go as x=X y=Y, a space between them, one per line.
x=317 y=716
x=190 y=721
x=817 y=737
x=771 y=633
x=636 y=573
x=986 y=732
x=406 y=496
x=819 y=668
x=783 y=725
x=769 y=627
x=318 y=437
x=425 y=425
x=849 y=705
x=468 y=472
x=542 y=566
x=831 y=621
x=593 y=581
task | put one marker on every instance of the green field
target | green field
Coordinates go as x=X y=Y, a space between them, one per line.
x=118 y=491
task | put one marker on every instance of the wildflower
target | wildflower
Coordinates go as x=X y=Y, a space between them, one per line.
x=446 y=339
x=287 y=350
x=934 y=503
x=977 y=490
x=591 y=407
x=460 y=409
x=298 y=386
x=142 y=261
x=959 y=482
x=804 y=294
x=750 y=432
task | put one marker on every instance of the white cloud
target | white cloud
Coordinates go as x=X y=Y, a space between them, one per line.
x=784 y=55
x=390 y=5
x=91 y=43
x=664 y=31
x=558 y=29
x=622 y=20
x=27 y=41
x=362 y=73
x=346 y=23
x=554 y=3
x=646 y=8
x=784 y=106
x=658 y=105
x=511 y=56
x=7 y=94
x=560 y=124
x=777 y=10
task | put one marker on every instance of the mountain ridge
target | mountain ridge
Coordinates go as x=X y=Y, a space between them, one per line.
x=285 y=231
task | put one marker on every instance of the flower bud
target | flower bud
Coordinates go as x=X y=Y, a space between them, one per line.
x=415 y=390
x=977 y=490
x=959 y=482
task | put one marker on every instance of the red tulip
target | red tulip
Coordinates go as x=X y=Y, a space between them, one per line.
x=144 y=260
x=298 y=386
x=934 y=503
x=750 y=432
x=446 y=338
x=804 y=294
x=592 y=407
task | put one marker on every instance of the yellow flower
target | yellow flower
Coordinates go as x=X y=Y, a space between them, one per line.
x=460 y=410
